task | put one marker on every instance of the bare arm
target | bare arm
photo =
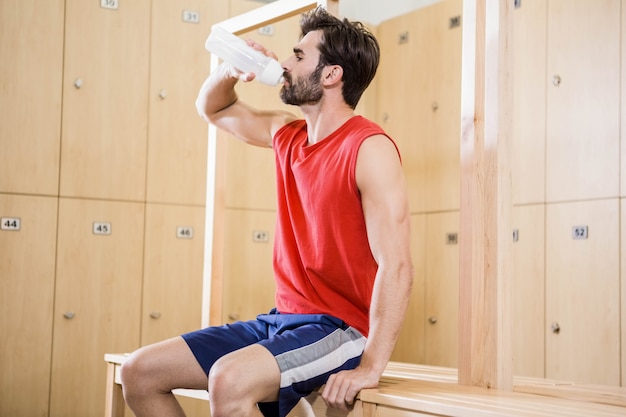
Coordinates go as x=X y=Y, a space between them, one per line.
x=219 y=104
x=385 y=204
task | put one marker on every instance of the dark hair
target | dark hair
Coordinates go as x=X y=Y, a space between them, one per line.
x=347 y=44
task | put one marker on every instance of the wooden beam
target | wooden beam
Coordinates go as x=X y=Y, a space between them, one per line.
x=485 y=351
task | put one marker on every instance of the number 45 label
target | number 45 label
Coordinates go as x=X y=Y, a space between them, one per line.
x=10 y=223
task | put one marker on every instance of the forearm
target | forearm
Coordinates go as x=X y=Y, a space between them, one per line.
x=217 y=92
x=389 y=304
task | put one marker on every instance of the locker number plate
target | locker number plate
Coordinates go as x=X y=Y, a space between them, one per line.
x=184 y=232
x=580 y=232
x=102 y=228
x=191 y=16
x=109 y=4
x=11 y=223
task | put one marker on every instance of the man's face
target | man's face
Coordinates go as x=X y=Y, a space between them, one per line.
x=303 y=73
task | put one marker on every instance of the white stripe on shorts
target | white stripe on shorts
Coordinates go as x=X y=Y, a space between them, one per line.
x=320 y=357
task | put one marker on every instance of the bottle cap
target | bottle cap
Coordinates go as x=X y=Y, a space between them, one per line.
x=272 y=74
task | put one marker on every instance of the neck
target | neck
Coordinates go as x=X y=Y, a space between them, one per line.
x=322 y=122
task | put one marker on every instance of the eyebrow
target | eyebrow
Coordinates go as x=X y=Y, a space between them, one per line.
x=297 y=50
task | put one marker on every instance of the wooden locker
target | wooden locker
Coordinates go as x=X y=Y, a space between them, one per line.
x=623 y=286
x=97 y=298
x=402 y=78
x=410 y=344
x=173 y=267
x=442 y=289
x=583 y=63
x=177 y=139
x=250 y=172
x=582 y=292
x=31 y=51
x=27 y=254
x=443 y=111
x=623 y=119
x=248 y=282
x=528 y=297
x=105 y=100
x=528 y=141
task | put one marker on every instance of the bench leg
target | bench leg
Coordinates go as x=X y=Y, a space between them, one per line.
x=114 y=405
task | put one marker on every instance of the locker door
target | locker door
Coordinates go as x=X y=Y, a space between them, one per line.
x=97 y=299
x=582 y=292
x=172 y=300
x=528 y=142
x=442 y=142
x=105 y=100
x=402 y=80
x=583 y=99
x=442 y=289
x=177 y=141
x=623 y=285
x=410 y=344
x=248 y=283
x=27 y=248
x=623 y=120
x=31 y=51
x=249 y=169
x=528 y=252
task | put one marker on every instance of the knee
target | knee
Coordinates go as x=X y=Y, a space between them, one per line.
x=225 y=394
x=134 y=374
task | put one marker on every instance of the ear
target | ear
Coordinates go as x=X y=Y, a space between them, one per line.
x=333 y=74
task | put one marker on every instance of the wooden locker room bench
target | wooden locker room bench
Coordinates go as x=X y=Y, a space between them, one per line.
x=408 y=390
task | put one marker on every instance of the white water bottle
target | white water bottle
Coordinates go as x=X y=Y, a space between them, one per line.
x=242 y=56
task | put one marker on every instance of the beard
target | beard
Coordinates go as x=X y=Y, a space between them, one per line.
x=305 y=90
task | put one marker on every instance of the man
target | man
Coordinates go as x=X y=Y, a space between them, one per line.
x=341 y=257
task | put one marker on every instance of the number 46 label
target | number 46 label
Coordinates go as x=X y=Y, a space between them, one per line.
x=10 y=223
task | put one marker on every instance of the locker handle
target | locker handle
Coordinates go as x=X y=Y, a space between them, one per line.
x=69 y=315
x=432 y=319
x=78 y=83
x=555 y=328
x=155 y=315
x=556 y=80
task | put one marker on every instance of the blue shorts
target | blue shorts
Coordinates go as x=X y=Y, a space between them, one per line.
x=308 y=349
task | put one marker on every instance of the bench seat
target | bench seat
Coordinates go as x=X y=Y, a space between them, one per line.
x=410 y=390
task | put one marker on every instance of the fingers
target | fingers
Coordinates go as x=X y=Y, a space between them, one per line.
x=339 y=392
x=257 y=46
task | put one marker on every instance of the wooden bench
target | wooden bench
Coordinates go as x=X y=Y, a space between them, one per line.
x=408 y=390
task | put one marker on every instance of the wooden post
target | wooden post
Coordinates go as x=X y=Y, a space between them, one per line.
x=485 y=351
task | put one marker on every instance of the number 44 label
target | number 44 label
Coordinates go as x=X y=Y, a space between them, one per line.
x=10 y=223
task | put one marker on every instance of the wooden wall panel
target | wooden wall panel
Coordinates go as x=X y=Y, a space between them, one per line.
x=248 y=282
x=528 y=296
x=582 y=292
x=528 y=143
x=442 y=142
x=173 y=266
x=31 y=51
x=583 y=99
x=27 y=259
x=104 y=126
x=97 y=299
x=177 y=139
x=402 y=106
x=442 y=289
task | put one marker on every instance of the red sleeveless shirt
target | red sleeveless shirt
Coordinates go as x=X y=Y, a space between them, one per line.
x=322 y=260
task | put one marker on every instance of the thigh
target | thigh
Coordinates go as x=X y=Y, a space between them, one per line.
x=166 y=365
x=212 y=343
